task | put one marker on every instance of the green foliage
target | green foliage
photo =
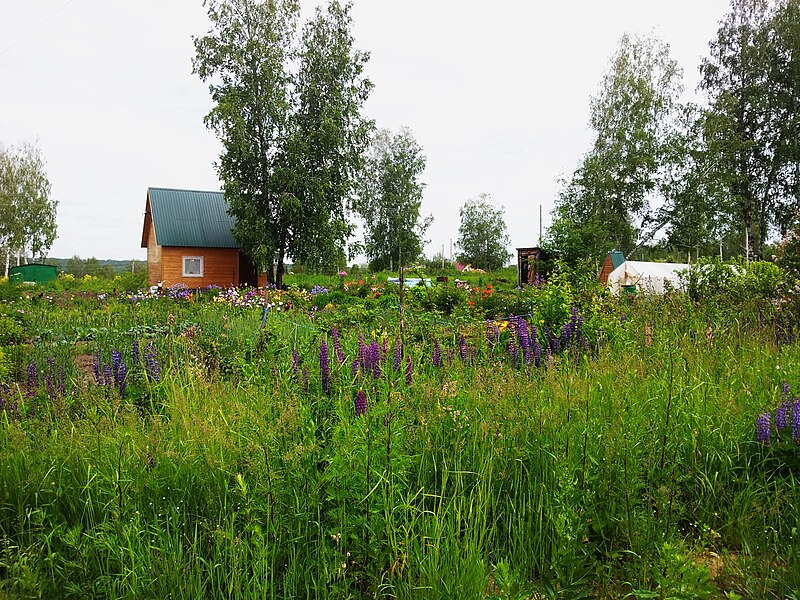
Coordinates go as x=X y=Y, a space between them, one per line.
x=292 y=139
x=605 y=200
x=27 y=212
x=628 y=469
x=444 y=299
x=389 y=201
x=482 y=235
x=11 y=331
x=5 y=365
x=750 y=128
x=734 y=283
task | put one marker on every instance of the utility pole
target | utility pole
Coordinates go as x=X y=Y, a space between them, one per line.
x=540 y=225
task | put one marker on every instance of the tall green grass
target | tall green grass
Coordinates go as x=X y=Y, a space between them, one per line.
x=631 y=470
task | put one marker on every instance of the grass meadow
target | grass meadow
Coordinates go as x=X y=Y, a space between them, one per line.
x=353 y=443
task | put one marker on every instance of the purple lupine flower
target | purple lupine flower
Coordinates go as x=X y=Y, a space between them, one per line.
x=33 y=376
x=384 y=348
x=512 y=350
x=374 y=359
x=537 y=349
x=782 y=415
x=305 y=380
x=785 y=391
x=362 y=353
x=409 y=370
x=437 y=354
x=361 y=403
x=568 y=330
x=151 y=365
x=398 y=355
x=337 y=346
x=50 y=377
x=763 y=429
x=295 y=362
x=324 y=367
x=796 y=421
x=122 y=379
x=108 y=379
x=355 y=367
x=462 y=349
x=521 y=327
x=116 y=360
x=135 y=352
x=622 y=317
x=490 y=333
x=579 y=332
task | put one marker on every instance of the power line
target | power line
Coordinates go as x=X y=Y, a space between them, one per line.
x=39 y=26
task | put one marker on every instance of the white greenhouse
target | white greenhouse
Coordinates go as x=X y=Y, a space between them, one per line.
x=646 y=277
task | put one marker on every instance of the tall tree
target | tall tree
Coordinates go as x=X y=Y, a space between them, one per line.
x=292 y=140
x=390 y=198
x=27 y=211
x=752 y=78
x=482 y=235
x=324 y=154
x=735 y=78
x=634 y=114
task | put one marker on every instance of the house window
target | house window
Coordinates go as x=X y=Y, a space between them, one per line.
x=192 y=266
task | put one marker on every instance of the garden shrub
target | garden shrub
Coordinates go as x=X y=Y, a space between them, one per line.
x=5 y=366
x=11 y=332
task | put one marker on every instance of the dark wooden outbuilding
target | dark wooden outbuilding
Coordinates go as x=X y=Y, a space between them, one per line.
x=529 y=265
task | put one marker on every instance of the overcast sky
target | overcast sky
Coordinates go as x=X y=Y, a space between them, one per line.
x=496 y=93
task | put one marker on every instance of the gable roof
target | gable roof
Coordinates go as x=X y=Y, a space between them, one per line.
x=188 y=218
x=617 y=258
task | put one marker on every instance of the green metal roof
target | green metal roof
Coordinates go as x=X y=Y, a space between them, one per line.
x=617 y=258
x=191 y=218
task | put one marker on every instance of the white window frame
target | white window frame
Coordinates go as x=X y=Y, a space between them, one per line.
x=183 y=266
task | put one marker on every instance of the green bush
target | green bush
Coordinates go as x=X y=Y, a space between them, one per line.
x=5 y=366
x=11 y=332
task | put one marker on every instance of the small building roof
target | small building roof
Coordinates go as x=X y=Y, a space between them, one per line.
x=189 y=218
x=617 y=258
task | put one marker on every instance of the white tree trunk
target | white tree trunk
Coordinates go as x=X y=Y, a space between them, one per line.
x=8 y=259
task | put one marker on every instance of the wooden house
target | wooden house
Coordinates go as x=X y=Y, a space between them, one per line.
x=189 y=240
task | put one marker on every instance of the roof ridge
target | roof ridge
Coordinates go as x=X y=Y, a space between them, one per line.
x=166 y=189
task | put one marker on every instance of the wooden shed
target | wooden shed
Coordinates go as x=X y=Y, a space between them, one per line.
x=529 y=262
x=189 y=240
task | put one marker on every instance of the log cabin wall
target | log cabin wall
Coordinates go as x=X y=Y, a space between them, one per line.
x=220 y=266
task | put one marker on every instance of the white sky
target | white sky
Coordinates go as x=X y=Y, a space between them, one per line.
x=497 y=94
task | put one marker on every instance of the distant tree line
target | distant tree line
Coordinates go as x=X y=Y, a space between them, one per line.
x=102 y=269
x=690 y=179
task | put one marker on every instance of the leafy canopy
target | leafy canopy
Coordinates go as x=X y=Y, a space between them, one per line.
x=482 y=235
x=390 y=198
x=27 y=211
x=287 y=110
